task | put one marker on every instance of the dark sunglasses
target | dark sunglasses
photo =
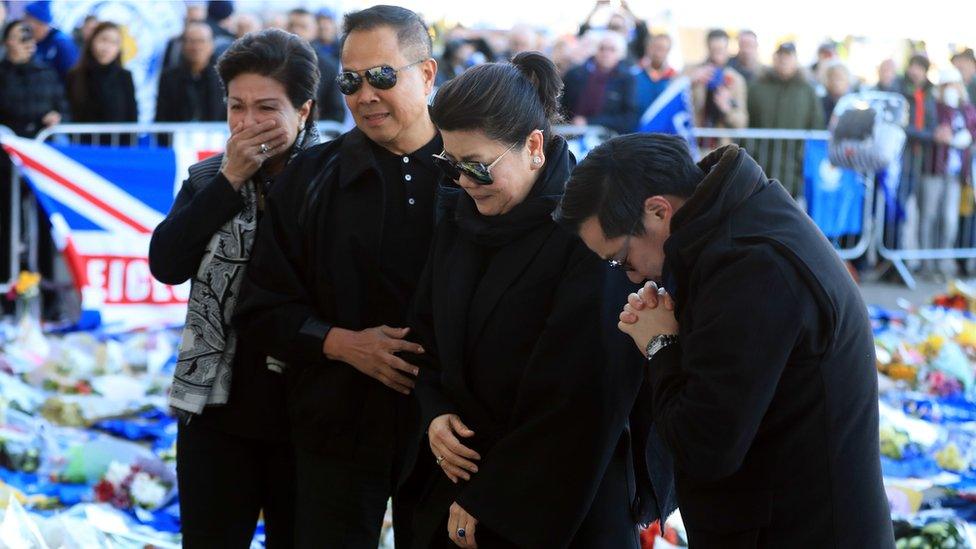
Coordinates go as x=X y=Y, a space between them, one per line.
x=382 y=77
x=477 y=171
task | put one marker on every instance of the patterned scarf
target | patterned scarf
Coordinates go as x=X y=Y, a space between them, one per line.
x=209 y=342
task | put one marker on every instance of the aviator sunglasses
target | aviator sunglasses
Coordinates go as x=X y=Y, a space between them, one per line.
x=477 y=171
x=382 y=77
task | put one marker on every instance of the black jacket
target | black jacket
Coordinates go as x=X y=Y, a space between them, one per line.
x=109 y=95
x=177 y=102
x=512 y=332
x=315 y=265
x=28 y=92
x=206 y=202
x=770 y=401
x=619 y=112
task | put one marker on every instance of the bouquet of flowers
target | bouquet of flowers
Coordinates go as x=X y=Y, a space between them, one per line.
x=131 y=486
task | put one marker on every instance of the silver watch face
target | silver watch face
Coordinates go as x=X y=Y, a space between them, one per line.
x=658 y=343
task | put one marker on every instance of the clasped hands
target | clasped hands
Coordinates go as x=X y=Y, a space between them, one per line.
x=648 y=313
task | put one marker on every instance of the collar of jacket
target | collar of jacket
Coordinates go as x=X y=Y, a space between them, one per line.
x=355 y=157
x=731 y=177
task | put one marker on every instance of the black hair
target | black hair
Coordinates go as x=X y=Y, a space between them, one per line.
x=279 y=55
x=412 y=33
x=745 y=32
x=507 y=101
x=920 y=60
x=614 y=179
x=716 y=34
x=79 y=93
x=10 y=26
x=300 y=11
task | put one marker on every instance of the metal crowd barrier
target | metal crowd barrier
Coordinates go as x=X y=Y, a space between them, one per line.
x=781 y=154
x=152 y=133
x=928 y=209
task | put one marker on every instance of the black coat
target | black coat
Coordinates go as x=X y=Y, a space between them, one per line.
x=108 y=95
x=315 y=265
x=28 y=92
x=176 y=102
x=619 y=112
x=770 y=401
x=512 y=332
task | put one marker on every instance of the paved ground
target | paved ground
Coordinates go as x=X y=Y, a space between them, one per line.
x=888 y=294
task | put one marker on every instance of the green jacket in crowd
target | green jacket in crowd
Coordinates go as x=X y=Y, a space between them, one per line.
x=784 y=104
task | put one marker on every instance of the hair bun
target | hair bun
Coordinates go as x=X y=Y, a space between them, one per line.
x=544 y=75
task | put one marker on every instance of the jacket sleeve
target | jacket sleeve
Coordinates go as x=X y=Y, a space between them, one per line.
x=431 y=396
x=570 y=412
x=276 y=307
x=67 y=56
x=816 y=121
x=711 y=391
x=178 y=243
x=59 y=101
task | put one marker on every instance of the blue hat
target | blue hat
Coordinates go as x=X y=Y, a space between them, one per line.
x=325 y=12
x=40 y=10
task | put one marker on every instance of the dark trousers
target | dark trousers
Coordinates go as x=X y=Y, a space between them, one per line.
x=226 y=481
x=341 y=502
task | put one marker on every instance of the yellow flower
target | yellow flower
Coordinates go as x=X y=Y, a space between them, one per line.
x=27 y=283
x=967 y=337
x=931 y=346
x=899 y=371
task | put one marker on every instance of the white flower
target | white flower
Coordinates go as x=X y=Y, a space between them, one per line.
x=117 y=473
x=147 y=492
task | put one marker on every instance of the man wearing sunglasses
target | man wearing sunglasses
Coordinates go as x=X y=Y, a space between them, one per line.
x=760 y=355
x=344 y=238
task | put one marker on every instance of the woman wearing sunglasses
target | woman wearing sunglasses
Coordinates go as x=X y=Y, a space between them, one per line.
x=526 y=443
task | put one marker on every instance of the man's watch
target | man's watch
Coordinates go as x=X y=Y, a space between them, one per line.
x=659 y=342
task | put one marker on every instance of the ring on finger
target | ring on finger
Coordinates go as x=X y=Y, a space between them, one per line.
x=440 y=460
x=264 y=148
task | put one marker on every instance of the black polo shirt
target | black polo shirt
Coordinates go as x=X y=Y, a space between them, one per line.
x=409 y=183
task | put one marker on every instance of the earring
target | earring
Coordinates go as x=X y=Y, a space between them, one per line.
x=537 y=160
